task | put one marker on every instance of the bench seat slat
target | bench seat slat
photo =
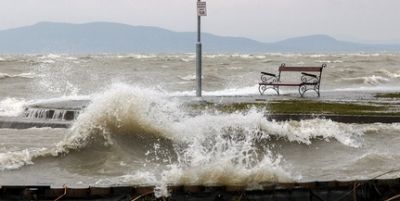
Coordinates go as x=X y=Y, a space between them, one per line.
x=280 y=84
x=286 y=84
x=307 y=69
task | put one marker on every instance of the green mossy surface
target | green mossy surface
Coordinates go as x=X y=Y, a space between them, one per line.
x=301 y=107
x=307 y=107
x=388 y=95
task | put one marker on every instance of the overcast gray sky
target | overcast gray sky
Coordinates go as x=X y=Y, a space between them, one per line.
x=263 y=20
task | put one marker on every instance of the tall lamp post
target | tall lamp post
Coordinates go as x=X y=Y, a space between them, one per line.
x=201 y=11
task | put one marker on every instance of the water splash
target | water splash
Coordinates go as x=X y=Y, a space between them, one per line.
x=12 y=106
x=176 y=147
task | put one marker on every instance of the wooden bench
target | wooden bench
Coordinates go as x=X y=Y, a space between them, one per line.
x=307 y=81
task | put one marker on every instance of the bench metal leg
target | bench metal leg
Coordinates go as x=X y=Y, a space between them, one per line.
x=262 y=88
x=304 y=88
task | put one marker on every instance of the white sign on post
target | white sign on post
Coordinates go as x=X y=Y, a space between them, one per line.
x=201 y=8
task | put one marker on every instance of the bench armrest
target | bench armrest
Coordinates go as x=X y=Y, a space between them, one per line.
x=268 y=77
x=270 y=74
x=310 y=75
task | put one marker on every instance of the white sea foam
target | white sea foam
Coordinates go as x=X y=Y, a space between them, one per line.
x=12 y=106
x=135 y=56
x=71 y=58
x=17 y=159
x=14 y=160
x=317 y=55
x=143 y=56
x=361 y=54
x=306 y=130
x=213 y=56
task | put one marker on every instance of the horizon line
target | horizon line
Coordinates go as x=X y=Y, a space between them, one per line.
x=168 y=29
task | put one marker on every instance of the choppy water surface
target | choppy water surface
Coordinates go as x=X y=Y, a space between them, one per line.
x=136 y=132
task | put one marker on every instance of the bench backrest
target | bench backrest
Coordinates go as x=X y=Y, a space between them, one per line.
x=283 y=67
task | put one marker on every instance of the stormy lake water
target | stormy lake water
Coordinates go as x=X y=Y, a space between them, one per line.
x=135 y=131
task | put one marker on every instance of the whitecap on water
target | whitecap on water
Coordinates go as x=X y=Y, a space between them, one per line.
x=188 y=77
x=50 y=56
x=21 y=75
x=329 y=61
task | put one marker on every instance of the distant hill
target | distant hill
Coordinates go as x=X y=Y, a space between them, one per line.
x=104 y=37
x=324 y=43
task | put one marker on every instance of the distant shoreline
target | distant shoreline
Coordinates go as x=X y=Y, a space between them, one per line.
x=106 y=37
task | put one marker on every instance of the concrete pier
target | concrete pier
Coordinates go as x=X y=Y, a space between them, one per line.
x=62 y=114
x=23 y=123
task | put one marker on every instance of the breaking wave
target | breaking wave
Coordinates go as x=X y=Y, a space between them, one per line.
x=140 y=127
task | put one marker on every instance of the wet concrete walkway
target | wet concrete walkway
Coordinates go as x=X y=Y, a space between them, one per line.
x=362 y=97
